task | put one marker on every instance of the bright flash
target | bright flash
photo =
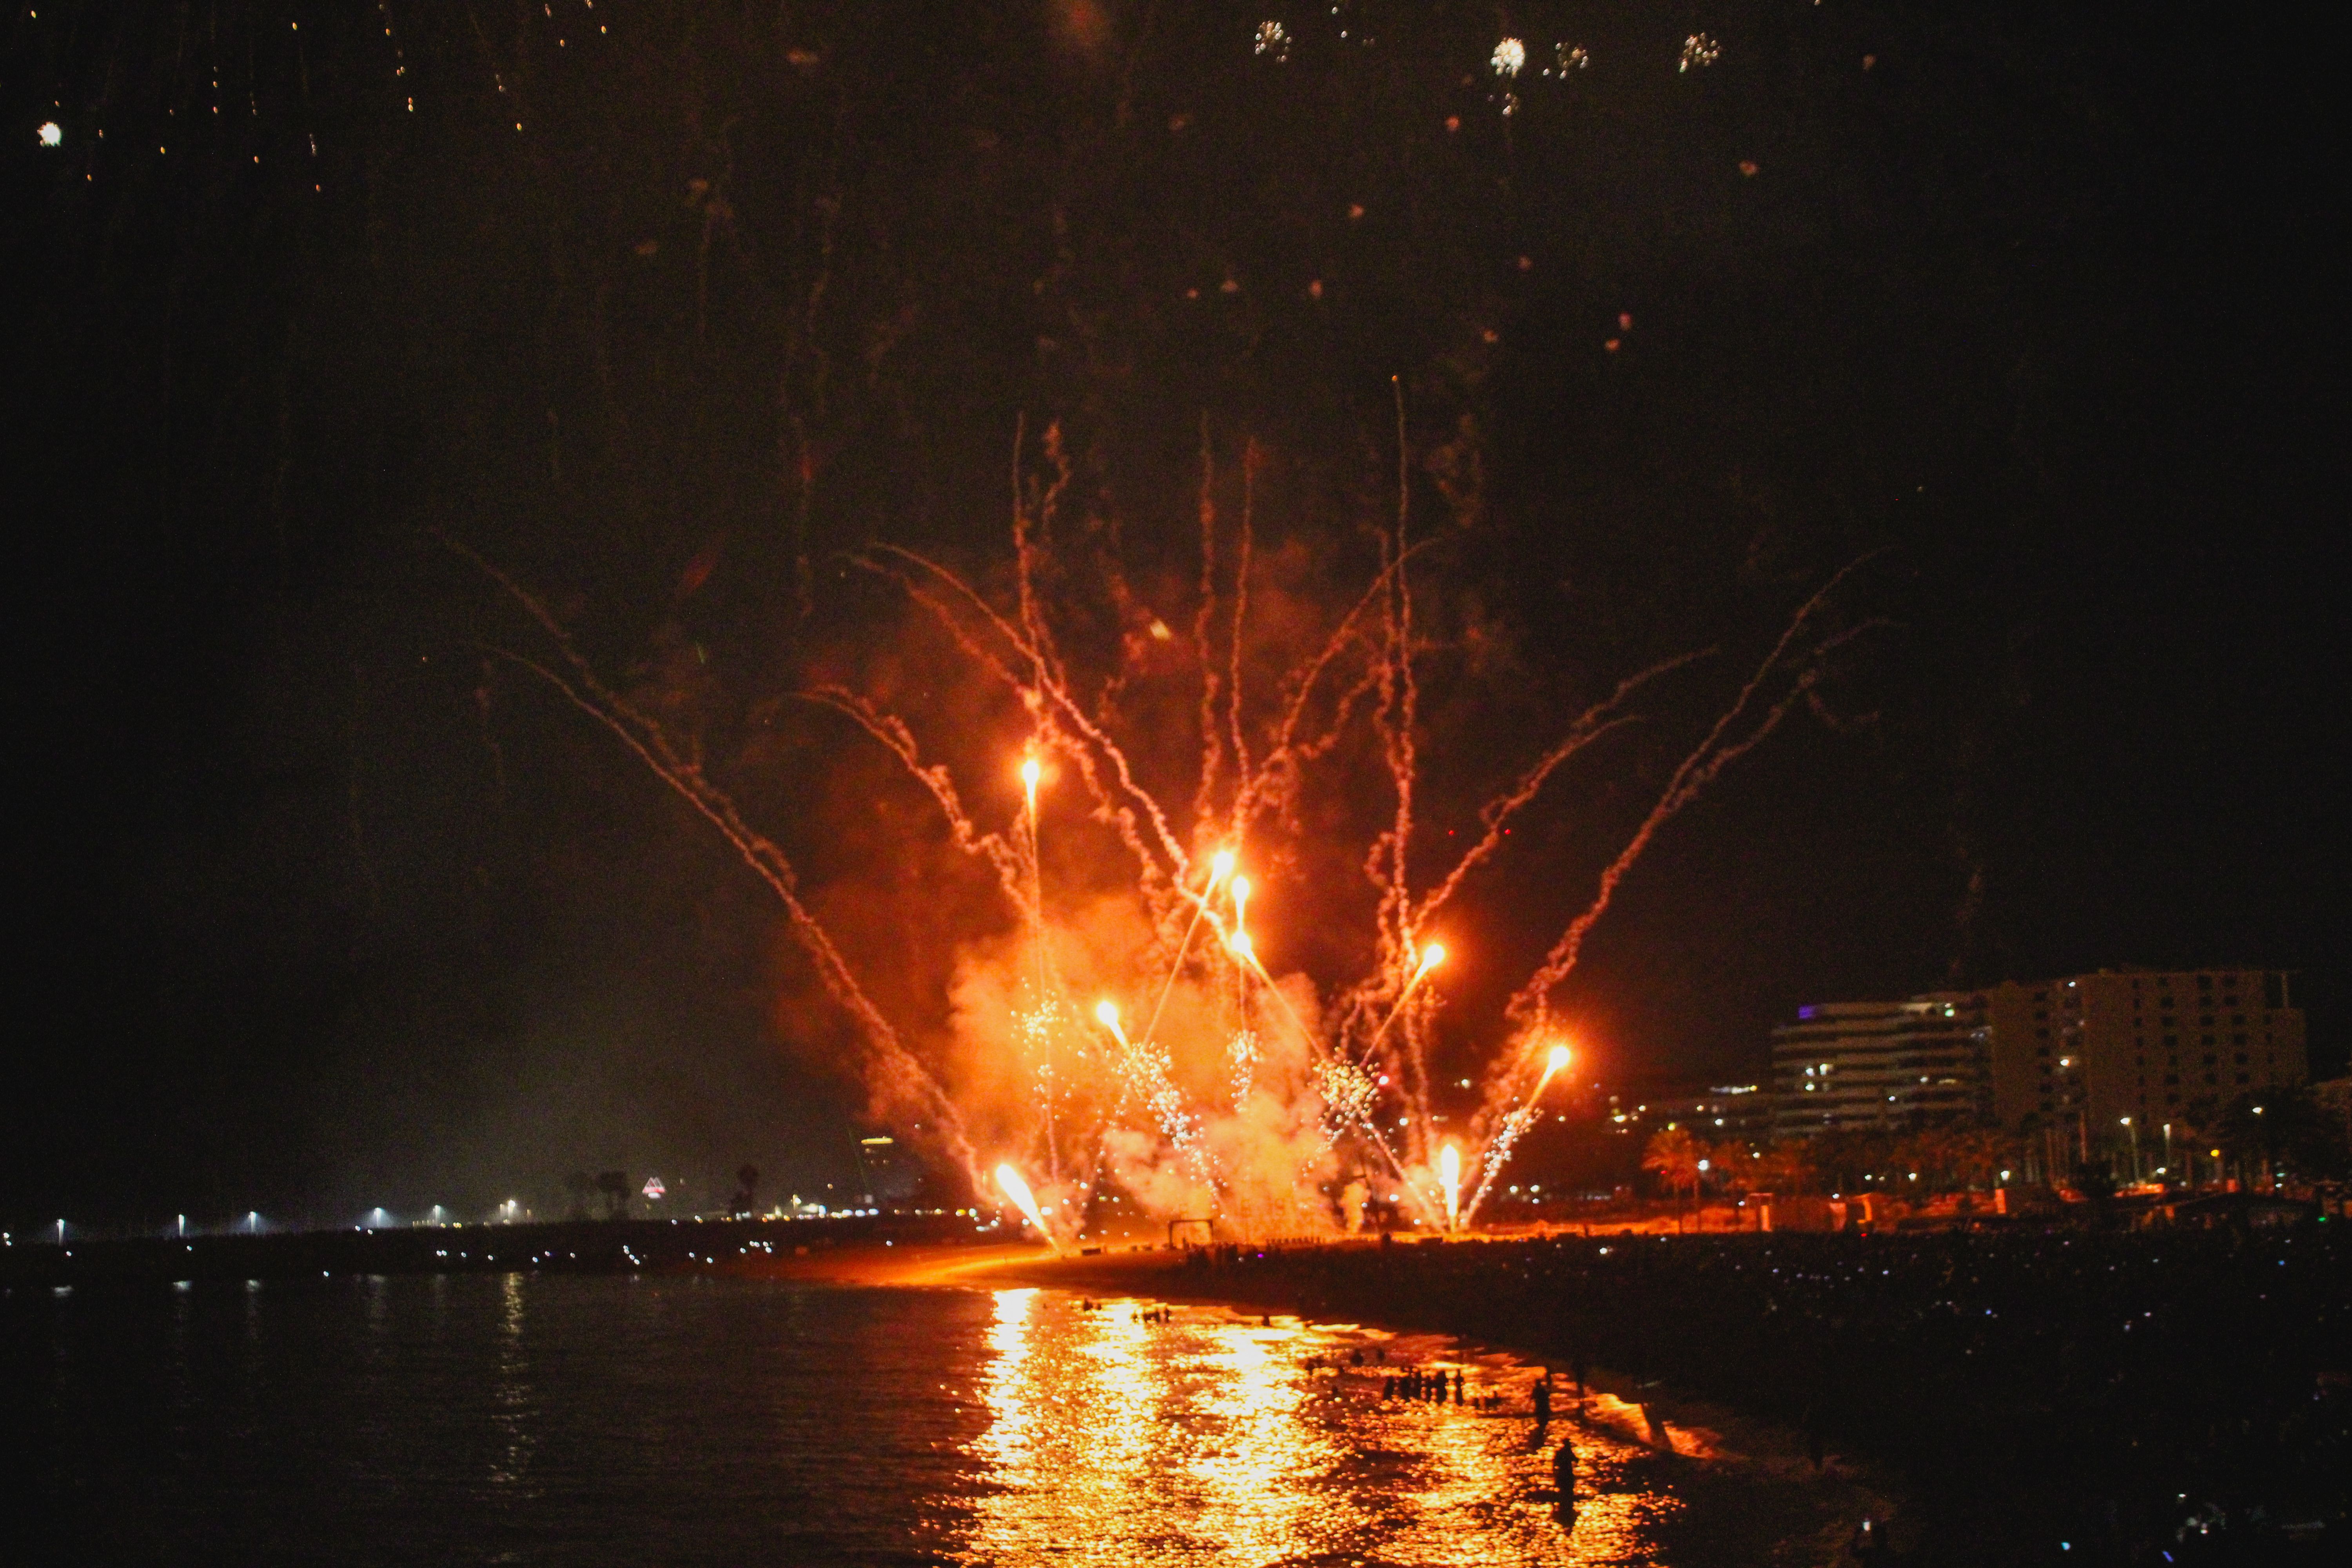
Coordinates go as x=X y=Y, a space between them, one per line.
x=1240 y=944
x=1107 y=1011
x=1432 y=955
x=1558 y=1061
x=1022 y=1199
x=52 y=135
x=1030 y=772
x=1449 y=1172
x=1220 y=866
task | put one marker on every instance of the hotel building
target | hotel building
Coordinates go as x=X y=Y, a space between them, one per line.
x=1882 y=1066
x=2125 y=1049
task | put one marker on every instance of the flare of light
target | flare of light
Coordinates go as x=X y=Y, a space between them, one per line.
x=1030 y=773
x=1449 y=1173
x=1241 y=901
x=1556 y=1062
x=1023 y=1198
x=1220 y=866
x=1106 y=1013
x=1432 y=956
x=1241 y=945
x=52 y=135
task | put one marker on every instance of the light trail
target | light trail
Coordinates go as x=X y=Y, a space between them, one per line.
x=1009 y=1181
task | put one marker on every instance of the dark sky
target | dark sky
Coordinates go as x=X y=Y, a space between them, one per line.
x=320 y=906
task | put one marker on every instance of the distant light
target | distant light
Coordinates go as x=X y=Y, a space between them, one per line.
x=51 y=133
x=1509 y=56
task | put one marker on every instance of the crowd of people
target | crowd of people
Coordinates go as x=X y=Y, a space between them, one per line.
x=2069 y=1395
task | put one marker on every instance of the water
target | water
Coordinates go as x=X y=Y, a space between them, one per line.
x=564 y=1419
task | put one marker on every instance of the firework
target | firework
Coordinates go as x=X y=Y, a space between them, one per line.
x=1009 y=1181
x=1245 y=1090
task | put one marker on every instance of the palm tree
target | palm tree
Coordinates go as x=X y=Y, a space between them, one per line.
x=1672 y=1156
x=1786 y=1169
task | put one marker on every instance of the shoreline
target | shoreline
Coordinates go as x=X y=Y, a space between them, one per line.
x=1699 y=1433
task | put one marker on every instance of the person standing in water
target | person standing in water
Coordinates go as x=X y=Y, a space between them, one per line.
x=1563 y=1474
x=1543 y=1400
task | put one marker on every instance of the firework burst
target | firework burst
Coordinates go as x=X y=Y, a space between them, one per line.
x=1245 y=1092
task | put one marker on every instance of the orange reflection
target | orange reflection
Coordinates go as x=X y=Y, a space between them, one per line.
x=1218 y=1438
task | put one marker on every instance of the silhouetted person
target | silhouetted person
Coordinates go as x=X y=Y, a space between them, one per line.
x=1457 y=1388
x=1543 y=1399
x=1563 y=1472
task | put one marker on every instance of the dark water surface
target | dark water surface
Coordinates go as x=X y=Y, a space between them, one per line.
x=522 y=1418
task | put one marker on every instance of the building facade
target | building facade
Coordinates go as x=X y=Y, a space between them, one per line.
x=2124 y=1053
x=1721 y=1113
x=1883 y=1066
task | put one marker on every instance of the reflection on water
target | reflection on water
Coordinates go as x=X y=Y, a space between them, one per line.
x=1215 y=1438
x=573 y=1420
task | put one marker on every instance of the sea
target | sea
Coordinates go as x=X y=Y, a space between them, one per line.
x=523 y=1419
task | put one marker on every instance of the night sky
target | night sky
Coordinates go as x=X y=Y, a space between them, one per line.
x=322 y=904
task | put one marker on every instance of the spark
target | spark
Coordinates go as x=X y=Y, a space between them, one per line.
x=1509 y=56
x=1698 y=49
x=1274 y=39
x=51 y=133
x=1449 y=1176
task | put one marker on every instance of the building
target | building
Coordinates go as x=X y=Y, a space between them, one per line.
x=1882 y=1066
x=1719 y=1114
x=2123 y=1053
x=890 y=1172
